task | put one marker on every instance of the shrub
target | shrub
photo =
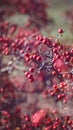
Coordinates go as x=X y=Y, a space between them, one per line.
x=47 y=71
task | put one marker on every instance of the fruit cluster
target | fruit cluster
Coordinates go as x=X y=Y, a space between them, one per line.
x=48 y=70
x=42 y=96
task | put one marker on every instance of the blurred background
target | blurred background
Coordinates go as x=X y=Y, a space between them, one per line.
x=56 y=11
x=59 y=13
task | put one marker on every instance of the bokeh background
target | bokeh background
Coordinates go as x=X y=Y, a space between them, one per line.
x=56 y=11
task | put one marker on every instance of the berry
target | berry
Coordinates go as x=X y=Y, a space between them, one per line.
x=60 y=31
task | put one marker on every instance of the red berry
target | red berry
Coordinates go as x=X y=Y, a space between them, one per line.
x=31 y=69
x=38 y=58
x=60 y=31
